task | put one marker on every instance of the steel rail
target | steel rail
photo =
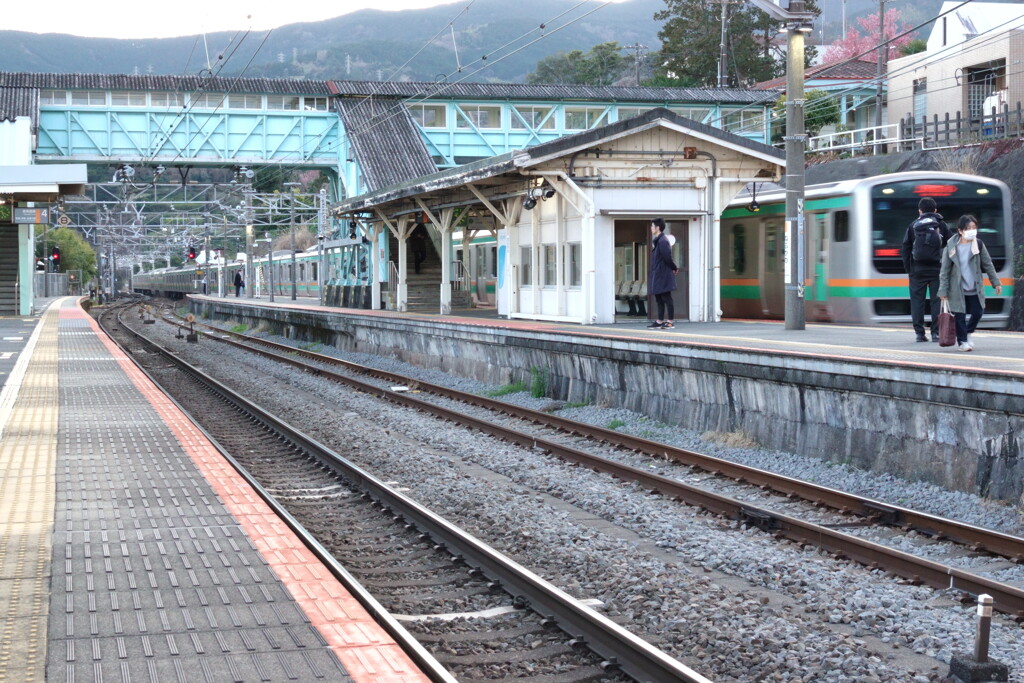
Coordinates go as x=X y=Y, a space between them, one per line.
x=621 y=649
x=975 y=537
x=1007 y=599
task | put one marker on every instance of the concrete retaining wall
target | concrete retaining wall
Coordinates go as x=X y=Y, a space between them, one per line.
x=959 y=430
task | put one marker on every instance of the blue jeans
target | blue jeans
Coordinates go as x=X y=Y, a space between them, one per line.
x=964 y=326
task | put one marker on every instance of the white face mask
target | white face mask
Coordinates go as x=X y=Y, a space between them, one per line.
x=969 y=235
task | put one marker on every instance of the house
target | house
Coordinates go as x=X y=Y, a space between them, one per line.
x=964 y=72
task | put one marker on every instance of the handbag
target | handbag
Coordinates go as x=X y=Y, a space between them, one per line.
x=947 y=327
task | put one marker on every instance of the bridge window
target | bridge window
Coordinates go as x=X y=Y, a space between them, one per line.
x=53 y=97
x=245 y=101
x=93 y=98
x=208 y=100
x=314 y=103
x=480 y=116
x=429 y=115
x=283 y=102
x=630 y=112
x=167 y=99
x=583 y=118
x=697 y=114
x=536 y=118
x=574 y=265
x=744 y=122
x=127 y=98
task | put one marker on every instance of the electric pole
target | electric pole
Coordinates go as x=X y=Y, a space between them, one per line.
x=883 y=60
x=637 y=48
x=722 y=79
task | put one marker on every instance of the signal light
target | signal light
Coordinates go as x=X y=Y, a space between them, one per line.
x=55 y=255
x=191 y=253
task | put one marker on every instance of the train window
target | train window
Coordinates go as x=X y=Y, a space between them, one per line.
x=550 y=265
x=841 y=226
x=574 y=276
x=739 y=249
x=526 y=266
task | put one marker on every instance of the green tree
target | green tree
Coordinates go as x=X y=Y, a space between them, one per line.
x=75 y=252
x=604 y=64
x=914 y=47
x=820 y=109
x=691 y=39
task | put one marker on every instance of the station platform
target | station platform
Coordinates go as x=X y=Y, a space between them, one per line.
x=131 y=550
x=998 y=352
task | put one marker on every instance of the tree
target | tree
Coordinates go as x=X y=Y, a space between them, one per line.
x=915 y=46
x=75 y=252
x=603 y=65
x=691 y=39
x=864 y=44
x=820 y=109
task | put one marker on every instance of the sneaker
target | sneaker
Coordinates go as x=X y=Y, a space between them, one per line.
x=964 y=346
x=656 y=324
x=921 y=338
x=935 y=337
x=667 y=325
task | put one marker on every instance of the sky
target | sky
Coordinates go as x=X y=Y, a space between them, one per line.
x=183 y=17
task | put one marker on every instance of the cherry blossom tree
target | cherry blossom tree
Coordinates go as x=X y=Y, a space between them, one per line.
x=864 y=43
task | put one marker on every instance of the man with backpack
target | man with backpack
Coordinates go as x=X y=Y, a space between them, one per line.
x=922 y=259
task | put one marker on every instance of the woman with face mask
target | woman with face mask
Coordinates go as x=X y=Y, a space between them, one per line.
x=964 y=259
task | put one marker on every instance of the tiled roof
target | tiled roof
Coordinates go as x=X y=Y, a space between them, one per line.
x=15 y=102
x=272 y=86
x=510 y=161
x=386 y=141
x=522 y=91
x=856 y=70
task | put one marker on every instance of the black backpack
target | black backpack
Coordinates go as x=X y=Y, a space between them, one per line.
x=927 y=241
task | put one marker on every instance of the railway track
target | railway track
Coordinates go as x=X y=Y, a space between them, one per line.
x=865 y=512
x=416 y=563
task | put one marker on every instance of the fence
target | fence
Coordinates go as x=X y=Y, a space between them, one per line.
x=55 y=284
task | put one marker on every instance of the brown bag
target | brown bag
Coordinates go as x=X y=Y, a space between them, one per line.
x=947 y=326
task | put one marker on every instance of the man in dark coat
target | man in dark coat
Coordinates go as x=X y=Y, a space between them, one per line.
x=239 y=282
x=662 y=278
x=923 y=264
x=418 y=242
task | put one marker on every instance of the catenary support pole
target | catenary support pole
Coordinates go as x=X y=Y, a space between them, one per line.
x=794 y=312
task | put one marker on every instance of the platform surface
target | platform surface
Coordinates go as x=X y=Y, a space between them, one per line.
x=132 y=551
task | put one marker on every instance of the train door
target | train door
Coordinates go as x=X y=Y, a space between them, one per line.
x=773 y=293
x=816 y=294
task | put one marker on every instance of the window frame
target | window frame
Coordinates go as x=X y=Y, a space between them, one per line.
x=467 y=117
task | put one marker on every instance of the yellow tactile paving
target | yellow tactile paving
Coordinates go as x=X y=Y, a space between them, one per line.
x=27 y=456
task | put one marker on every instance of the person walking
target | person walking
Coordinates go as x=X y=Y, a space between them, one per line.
x=922 y=257
x=964 y=259
x=662 y=278
x=418 y=240
x=239 y=282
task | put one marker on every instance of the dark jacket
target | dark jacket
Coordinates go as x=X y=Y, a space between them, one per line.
x=238 y=279
x=662 y=278
x=912 y=267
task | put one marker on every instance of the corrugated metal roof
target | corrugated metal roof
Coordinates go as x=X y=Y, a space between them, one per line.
x=272 y=86
x=20 y=101
x=509 y=161
x=387 y=143
x=522 y=91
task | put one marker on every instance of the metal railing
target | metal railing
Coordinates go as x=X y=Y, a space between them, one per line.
x=952 y=131
x=871 y=140
x=460 y=277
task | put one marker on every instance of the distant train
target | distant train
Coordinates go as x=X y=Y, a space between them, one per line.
x=853 y=231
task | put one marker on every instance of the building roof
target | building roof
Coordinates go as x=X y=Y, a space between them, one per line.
x=523 y=91
x=845 y=71
x=386 y=142
x=517 y=159
x=15 y=102
x=272 y=86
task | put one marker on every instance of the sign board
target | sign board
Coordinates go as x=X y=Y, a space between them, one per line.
x=31 y=216
x=63 y=220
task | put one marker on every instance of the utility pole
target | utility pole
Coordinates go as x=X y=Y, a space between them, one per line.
x=722 y=79
x=798 y=22
x=248 y=242
x=883 y=60
x=321 y=235
x=291 y=225
x=637 y=48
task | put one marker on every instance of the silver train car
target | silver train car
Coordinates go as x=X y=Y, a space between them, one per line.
x=853 y=231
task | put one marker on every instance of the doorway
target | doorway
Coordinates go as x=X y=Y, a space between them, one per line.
x=632 y=258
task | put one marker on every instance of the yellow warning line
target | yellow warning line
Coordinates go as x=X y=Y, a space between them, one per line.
x=27 y=492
